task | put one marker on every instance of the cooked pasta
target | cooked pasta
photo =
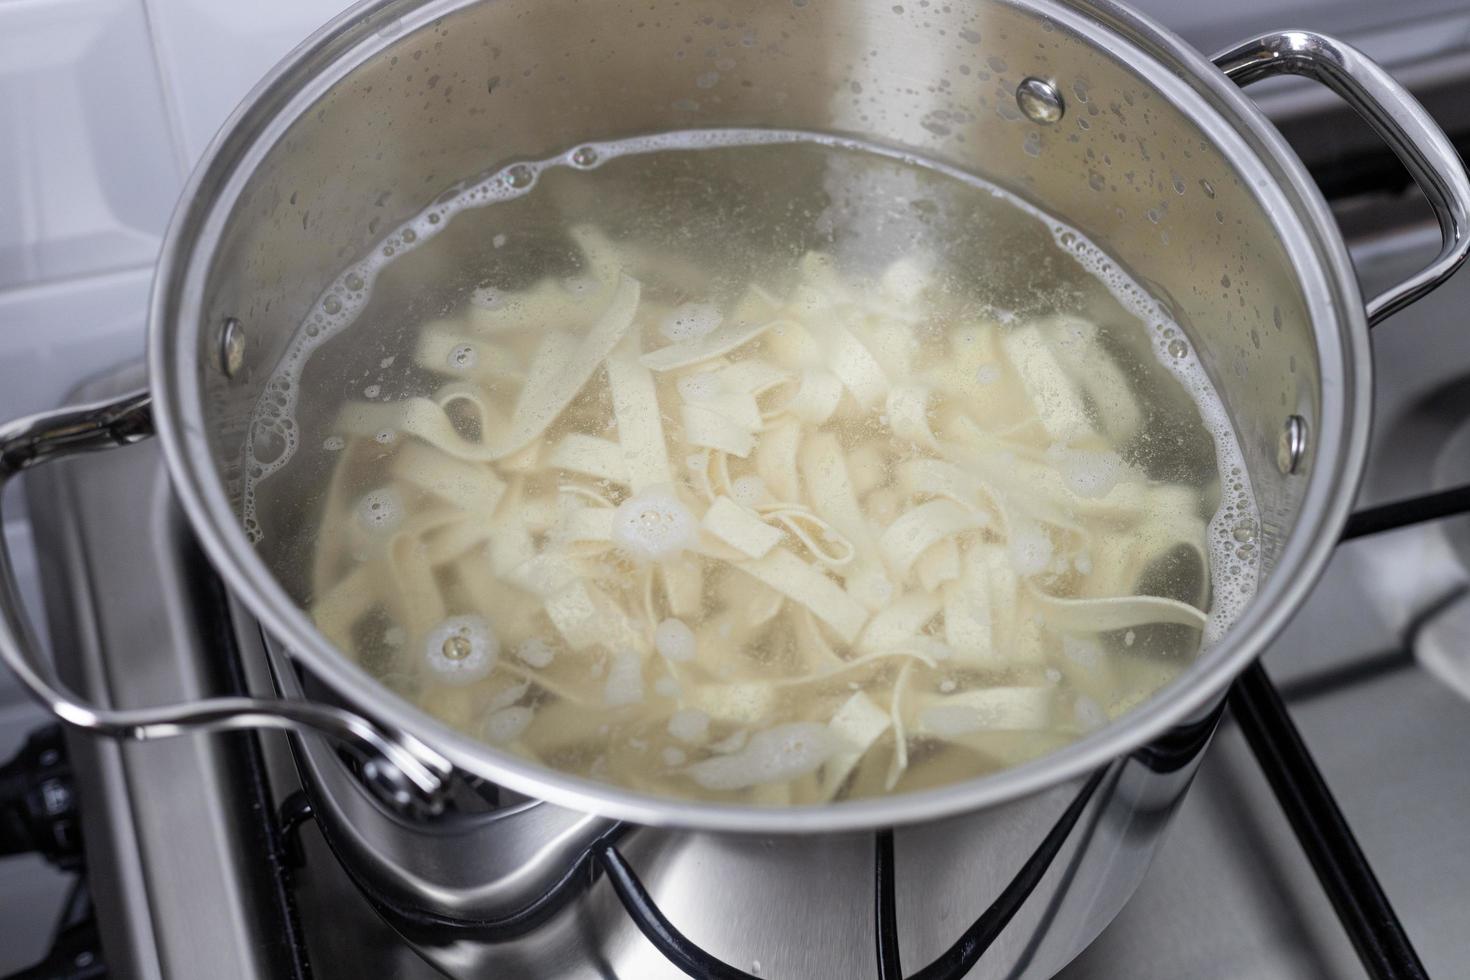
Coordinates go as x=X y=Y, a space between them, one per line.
x=815 y=537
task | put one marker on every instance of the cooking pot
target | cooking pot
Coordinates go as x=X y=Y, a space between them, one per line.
x=1085 y=108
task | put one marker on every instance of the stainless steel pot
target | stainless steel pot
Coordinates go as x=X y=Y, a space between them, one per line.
x=1085 y=108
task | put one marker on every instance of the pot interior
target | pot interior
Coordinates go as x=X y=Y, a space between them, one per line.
x=386 y=109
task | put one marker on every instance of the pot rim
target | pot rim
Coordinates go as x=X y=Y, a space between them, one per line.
x=176 y=351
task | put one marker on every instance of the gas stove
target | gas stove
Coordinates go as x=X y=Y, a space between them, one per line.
x=201 y=857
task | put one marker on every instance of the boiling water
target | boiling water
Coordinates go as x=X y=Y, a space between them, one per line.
x=888 y=536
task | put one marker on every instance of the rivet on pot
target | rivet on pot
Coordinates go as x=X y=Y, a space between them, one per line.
x=1040 y=101
x=231 y=347
x=1292 y=447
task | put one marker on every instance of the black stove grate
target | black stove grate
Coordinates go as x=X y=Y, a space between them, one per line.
x=1167 y=755
x=952 y=964
x=1323 y=831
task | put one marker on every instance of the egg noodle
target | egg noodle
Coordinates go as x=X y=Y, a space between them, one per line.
x=823 y=537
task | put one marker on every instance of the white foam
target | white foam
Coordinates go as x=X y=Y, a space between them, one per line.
x=701 y=387
x=380 y=510
x=653 y=525
x=749 y=490
x=463 y=357
x=461 y=649
x=674 y=640
x=692 y=321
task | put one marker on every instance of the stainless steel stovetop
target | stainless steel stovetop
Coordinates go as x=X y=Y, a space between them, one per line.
x=192 y=876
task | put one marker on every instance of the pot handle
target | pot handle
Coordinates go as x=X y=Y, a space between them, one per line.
x=406 y=772
x=1396 y=116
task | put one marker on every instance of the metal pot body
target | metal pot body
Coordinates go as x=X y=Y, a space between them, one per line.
x=1157 y=156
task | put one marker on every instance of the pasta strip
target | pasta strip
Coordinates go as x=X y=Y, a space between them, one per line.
x=968 y=612
x=899 y=621
x=740 y=703
x=941 y=478
x=469 y=486
x=1057 y=401
x=775 y=460
x=453 y=540
x=447 y=350
x=1119 y=563
x=411 y=592
x=722 y=340
x=908 y=415
x=830 y=490
x=815 y=399
x=539 y=406
x=900 y=734
x=903 y=282
x=548 y=301
x=739 y=407
x=911 y=652
x=421 y=417
x=740 y=529
x=557 y=373
x=1095 y=371
x=1114 y=612
x=1004 y=587
x=940 y=563
x=816 y=652
x=819 y=537
x=338 y=608
x=853 y=363
x=752 y=376
x=583 y=525
x=569 y=305
x=640 y=421
x=755 y=603
x=802 y=583
x=708 y=428
x=891 y=342
x=545 y=575
x=920 y=528
x=683 y=583
x=577 y=452
x=586 y=616
x=858 y=724
x=988 y=709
